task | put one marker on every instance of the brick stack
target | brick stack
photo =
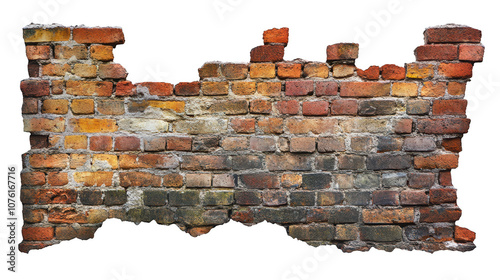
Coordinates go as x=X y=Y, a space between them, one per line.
x=336 y=154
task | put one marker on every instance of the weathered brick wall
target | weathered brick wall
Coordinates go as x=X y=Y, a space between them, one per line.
x=336 y=154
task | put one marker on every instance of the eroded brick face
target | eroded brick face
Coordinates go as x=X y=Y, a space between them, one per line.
x=336 y=154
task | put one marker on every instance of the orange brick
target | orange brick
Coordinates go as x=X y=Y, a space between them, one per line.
x=392 y=72
x=57 y=179
x=93 y=179
x=444 y=161
x=75 y=142
x=215 y=88
x=101 y=52
x=364 y=89
x=55 y=106
x=82 y=106
x=157 y=88
x=49 y=160
x=243 y=88
x=104 y=161
x=125 y=88
x=38 y=233
x=456 y=88
x=101 y=35
x=419 y=70
x=276 y=36
x=455 y=70
x=316 y=70
x=289 y=70
x=371 y=73
x=262 y=70
x=176 y=106
x=55 y=69
x=93 y=125
x=433 y=89
x=271 y=125
x=58 y=86
x=243 y=125
x=85 y=70
x=464 y=235
x=33 y=178
x=88 y=88
x=401 y=89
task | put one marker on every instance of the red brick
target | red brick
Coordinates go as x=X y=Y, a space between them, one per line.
x=468 y=52
x=452 y=144
x=276 y=36
x=445 y=178
x=179 y=143
x=315 y=108
x=157 y=88
x=439 y=214
x=35 y=88
x=125 y=88
x=187 y=89
x=101 y=143
x=436 y=52
x=271 y=125
x=461 y=70
x=371 y=73
x=444 y=161
x=326 y=88
x=342 y=51
x=55 y=196
x=433 y=89
x=37 y=52
x=67 y=215
x=267 y=53
x=38 y=233
x=441 y=196
x=259 y=106
x=392 y=72
x=234 y=71
x=127 y=143
x=344 y=107
x=33 y=178
x=452 y=34
x=112 y=71
x=288 y=107
x=364 y=89
x=463 y=235
x=303 y=144
x=57 y=178
x=456 y=88
x=101 y=35
x=243 y=125
x=289 y=70
x=443 y=126
x=449 y=107
x=299 y=88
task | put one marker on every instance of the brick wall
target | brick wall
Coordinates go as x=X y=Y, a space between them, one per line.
x=357 y=158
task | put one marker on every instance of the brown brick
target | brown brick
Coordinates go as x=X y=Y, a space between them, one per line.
x=402 y=126
x=452 y=34
x=452 y=144
x=439 y=214
x=57 y=179
x=39 y=141
x=101 y=143
x=344 y=107
x=229 y=107
x=205 y=162
x=271 y=125
x=55 y=106
x=364 y=89
x=262 y=70
x=112 y=71
x=243 y=88
x=56 y=69
x=37 y=52
x=443 y=126
x=259 y=180
x=33 y=215
x=316 y=70
x=33 y=178
x=261 y=106
x=456 y=88
x=101 y=52
x=199 y=180
x=100 y=35
x=188 y=89
x=342 y=51
x=234 y=71
x=418 y=197
x=78 y=160
x=315 y=108
x=35 y=88
x=234 y=143
x=303 y=144
x=127 y=143
x=418 y=107
x=267 y=53
x=139 y=179
x=421 y=180
x=433 y=89
x=316 y=126
x=209 y=70
x=269 y=89
x=445 y=178
x=290 y=162
x=263 y=144
x=30 y=106
x=326 y=88
x=331 y=144
x=111 y=107
x=449 y=107
x=388 y=216
x=441 y=196
x=179 y=143
x=49 y=160
x=299 y=88
x=173 y=180
x=288 y=107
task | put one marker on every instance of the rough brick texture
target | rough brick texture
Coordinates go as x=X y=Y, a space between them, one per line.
x=336 y=154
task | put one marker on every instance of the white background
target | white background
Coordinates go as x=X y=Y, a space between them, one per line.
x=168 y=41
